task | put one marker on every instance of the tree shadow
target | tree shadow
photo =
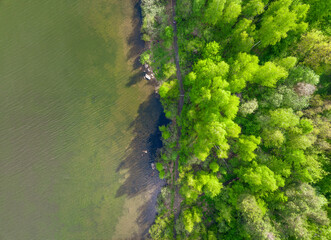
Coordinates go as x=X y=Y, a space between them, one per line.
x=135 y=78
x=141 y=178
x=137 y=45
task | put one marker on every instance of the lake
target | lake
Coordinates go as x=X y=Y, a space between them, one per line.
x=76 y=118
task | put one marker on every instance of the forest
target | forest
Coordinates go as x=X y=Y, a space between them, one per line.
x=248 y=157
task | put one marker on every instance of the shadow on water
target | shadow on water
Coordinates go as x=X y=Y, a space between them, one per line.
x=138 y=163
x=141 y=178
x=137 y=46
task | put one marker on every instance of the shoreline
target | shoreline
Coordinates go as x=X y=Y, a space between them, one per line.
x=168 y=172
x=143 y=185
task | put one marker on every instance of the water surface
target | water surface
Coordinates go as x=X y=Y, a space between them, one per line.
x=75 y=117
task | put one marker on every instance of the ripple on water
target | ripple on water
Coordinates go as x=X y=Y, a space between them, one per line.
x=72 y=122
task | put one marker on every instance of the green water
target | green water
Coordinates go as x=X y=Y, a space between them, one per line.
x=68 y=122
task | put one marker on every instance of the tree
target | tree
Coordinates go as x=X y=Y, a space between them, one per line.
x=168 y=90
x=169 y=93
x=304 y=89
x=211 y=50
x=284 y=97
x=278 y=20
x=256 y=223
x=169 y=70
x=242 y=70
x=202 y=182
x=207 y=70
x=253 y=8
x=150 y=12
x=319 y=14
x=301 y=141
x=159 y=167
x=314 y=49
x=268 y=74
x=298 y=160
x=214 y=11
x=303 y=209
x=287 y=63
x=283 y=118
x=198 y=6
x=231 y=12
x=231 y=108
x=191 y=217
x=261 y=179
x=232 y=129
x=209 y=99
x=209 y=135
x=168 y=33
x=272 y=138
x=213 y=186
x=241 y=37
x=161 y=229
x=145 y=57
x=302 y=74
x=306 y=125
x=246 y=146
x=248 y=107
x=184 y=7
x=167 y=36
x=290 y=98
x=214 y=167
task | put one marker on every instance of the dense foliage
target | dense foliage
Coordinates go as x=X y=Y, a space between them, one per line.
x=254 y=156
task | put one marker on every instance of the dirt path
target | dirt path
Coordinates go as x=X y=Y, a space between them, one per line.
x=177 y=200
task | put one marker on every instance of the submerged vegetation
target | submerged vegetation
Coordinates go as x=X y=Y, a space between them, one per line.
x=248 y=155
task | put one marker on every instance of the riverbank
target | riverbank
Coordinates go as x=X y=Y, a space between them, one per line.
x=140 y=183
x=160 y=34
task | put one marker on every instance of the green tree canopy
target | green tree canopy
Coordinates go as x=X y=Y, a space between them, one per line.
x=281 y=17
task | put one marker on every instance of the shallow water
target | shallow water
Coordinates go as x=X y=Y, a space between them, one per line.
x=75 y=118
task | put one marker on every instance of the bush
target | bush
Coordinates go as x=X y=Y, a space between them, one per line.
x=214 y=167
x=145 y=58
